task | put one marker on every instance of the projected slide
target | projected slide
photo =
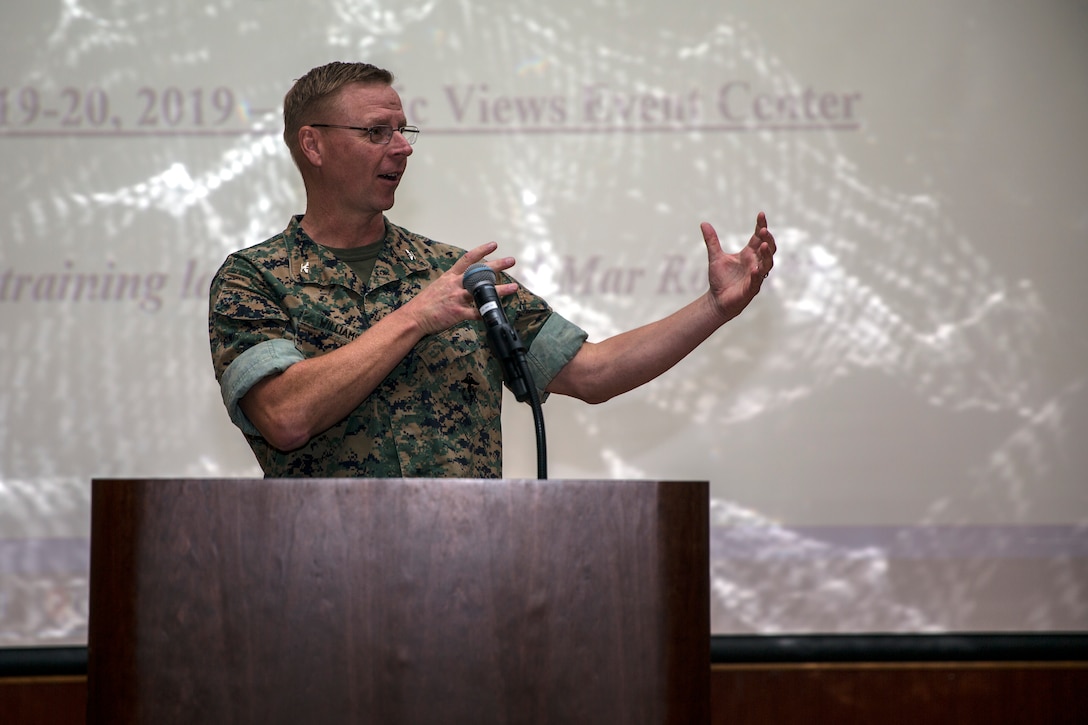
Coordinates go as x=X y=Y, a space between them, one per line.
x=895 y=431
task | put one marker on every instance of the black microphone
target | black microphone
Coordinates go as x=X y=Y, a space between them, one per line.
x=503 y=339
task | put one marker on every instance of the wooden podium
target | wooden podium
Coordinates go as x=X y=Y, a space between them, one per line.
x=398 y=601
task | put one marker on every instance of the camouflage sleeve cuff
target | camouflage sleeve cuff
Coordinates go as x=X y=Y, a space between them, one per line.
x=554 y=346
x=249 y=368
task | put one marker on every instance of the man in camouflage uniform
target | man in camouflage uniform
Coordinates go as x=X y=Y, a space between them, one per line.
x=436 y=413
x=347 y=346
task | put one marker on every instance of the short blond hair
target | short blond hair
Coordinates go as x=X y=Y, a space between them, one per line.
x=315 y=92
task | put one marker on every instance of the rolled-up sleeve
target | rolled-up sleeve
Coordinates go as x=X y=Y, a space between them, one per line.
x=249 y=368
x=553 y=347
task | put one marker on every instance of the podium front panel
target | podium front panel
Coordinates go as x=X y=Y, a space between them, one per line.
x=399 y=601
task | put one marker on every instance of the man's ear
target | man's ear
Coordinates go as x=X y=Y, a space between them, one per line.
x=309 y=144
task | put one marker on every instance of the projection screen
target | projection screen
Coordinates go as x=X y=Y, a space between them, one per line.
x=895 y=431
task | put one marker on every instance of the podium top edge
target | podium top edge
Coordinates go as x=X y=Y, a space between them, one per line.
x=450 y=481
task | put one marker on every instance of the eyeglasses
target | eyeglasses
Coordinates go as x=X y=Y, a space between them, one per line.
x=381 y=135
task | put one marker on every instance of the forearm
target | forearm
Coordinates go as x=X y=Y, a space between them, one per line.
x=603 y=370
x=314 y=394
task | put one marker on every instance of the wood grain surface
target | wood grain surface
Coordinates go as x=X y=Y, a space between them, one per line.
x=398 y=601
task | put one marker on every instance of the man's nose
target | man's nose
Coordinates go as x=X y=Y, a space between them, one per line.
x=400 y=143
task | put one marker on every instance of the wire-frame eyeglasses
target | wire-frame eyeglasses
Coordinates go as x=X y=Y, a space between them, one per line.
x=378 y=134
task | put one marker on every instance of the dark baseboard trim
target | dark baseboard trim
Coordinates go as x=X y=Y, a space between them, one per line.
x=42 y=661
x=733 y=649
x=751 y=649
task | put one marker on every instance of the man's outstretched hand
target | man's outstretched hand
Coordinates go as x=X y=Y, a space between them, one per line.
x=735 y=279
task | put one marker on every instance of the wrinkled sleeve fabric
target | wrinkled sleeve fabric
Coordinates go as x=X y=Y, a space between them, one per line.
x=249 y=368
x=251 y=334
x=552 y=340
x=555 y=345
